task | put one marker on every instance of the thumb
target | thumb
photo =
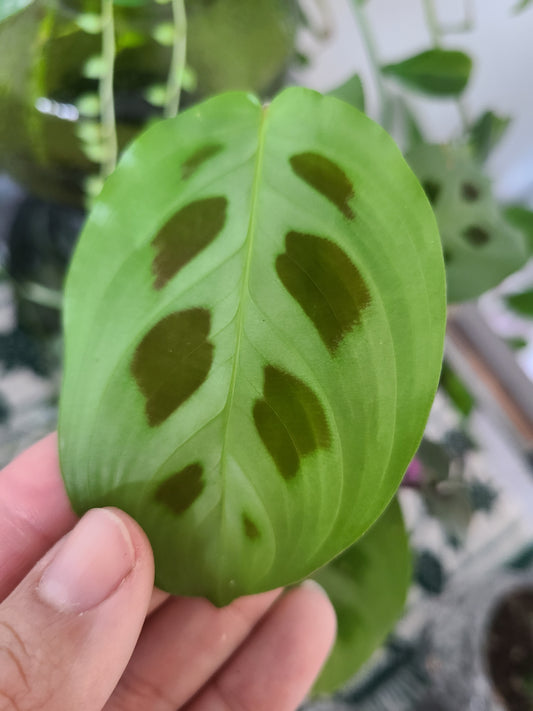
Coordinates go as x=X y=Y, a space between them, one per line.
x=68 y=630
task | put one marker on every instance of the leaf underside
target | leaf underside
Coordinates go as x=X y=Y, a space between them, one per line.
x=254 y=320
x=368 y=586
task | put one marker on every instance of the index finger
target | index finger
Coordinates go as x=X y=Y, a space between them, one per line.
x=34 y=511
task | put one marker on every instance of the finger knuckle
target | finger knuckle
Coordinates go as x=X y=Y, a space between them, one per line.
x=135 y=693
x=16 y=665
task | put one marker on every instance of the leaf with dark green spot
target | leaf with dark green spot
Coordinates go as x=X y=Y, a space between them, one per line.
x=367 y=585
x=440 y=72
x=521 y=218
x=486 y=133
x=480 y=246
x=521 y=303
x=254 y=320
x=11 y=7
x=351 y=91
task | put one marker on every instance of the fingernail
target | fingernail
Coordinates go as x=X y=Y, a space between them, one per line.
x=91 y=563
x=312 y=584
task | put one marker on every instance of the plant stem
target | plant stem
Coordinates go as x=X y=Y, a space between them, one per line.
x=177 y=63
x=432 y=21
x=107 y=99
x=436 y=32
x=470 y=14
x=372 y=53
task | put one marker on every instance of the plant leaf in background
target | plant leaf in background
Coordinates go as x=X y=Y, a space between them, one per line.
x=521 y=303
x=486 y=133
x=254 y=320
x=440 y=72
x=521 y=218
x=522 y=5
x=11 y=7
x=456 y=390
x=480 y=247
x=351 y=91
x=129 y=3
x=367 y=585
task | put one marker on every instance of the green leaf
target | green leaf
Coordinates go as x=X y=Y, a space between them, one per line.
x=129 y=3
x=456 y=390
x=521 y=303
x=522 y=5
x=254 y=319
x=486 y=133
x=516 y=343
x=440 y=72
x=351 y=91
x=367 y=585
x=480 y=247
x=11 y=7
x=521 y=218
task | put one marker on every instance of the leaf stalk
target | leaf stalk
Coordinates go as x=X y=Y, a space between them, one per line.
x=177 y=63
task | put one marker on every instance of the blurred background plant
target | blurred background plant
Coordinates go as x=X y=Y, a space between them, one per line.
x=80 y=78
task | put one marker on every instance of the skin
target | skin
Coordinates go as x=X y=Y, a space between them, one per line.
x=121 y=644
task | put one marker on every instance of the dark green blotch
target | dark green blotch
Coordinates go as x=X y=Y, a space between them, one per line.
x=327 y=178
x=290 y=420
x=198 y=158
x=172 y=361
x=181 y=489
x=326 y=284
x=470 y=192
x=477 y=236
x=185 y=235
x=432 y=190
x=250 y=529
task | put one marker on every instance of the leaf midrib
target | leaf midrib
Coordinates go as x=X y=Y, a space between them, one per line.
x=239 y=315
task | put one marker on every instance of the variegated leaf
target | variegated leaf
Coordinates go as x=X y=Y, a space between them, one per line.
x=254 y=320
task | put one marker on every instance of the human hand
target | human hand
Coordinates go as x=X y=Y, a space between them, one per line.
x=83 y=629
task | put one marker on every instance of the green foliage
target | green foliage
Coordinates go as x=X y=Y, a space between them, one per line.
x=254 y=320
x=521 y=303
x=480 y=247
x=522 y=5
x=11 y=7
x=352 y=92
x=439 y=72
x=521 y=218
x=367 y=585
x=456 y=390
x=129 y=3
x=486 y=133
x=516 y=343
x=429 y=573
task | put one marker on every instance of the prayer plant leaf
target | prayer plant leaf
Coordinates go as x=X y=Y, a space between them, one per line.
x=254 y=320
x=480 y=246
x=367 y=585
x=440 y=72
